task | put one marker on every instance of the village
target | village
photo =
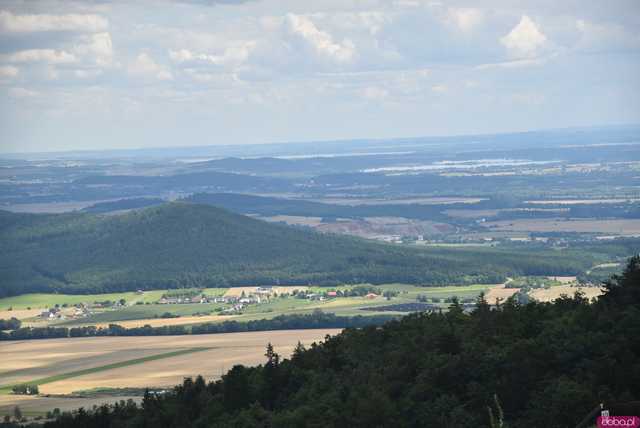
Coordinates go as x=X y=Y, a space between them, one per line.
x=233 y=302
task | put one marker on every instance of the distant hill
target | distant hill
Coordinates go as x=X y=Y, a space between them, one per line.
x=207 y=179
x=189 y=245
x=122 y=204
x=270 y=206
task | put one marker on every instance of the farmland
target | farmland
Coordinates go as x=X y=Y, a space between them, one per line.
x=65 y=366
x=282 y=301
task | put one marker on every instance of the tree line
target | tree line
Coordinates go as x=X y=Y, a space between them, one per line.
x=317 y=319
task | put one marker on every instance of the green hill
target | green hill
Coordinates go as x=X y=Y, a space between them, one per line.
x=188 y=245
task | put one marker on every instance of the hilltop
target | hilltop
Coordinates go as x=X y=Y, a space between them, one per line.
x=190 y=245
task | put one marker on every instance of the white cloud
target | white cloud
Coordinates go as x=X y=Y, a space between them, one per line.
x=144 y=65
x=370 y=21
x=9 y=71
x=513 y=64
x=22 y=93
x=99 y=46
x=524 y=40
x=233 y=55
x=10 y=23
x=465 y=19
x=49 y=56
x=321 y=41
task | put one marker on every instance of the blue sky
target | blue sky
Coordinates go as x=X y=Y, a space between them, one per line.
x=115 y=74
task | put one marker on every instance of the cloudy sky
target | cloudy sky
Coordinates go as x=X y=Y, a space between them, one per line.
x=115 y=74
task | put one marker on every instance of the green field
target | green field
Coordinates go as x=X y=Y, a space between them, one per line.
x=46 y=300
x=344 y=306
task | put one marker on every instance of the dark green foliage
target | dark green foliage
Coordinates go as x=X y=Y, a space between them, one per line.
x=10 y=324
x=180 y=245
x=548 y=364
x=25 y=389
x=317 y=319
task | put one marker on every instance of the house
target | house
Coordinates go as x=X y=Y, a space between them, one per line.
x=332 y=294
x=371 y=296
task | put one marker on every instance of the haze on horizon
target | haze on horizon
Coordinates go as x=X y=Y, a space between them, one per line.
x=87 y=75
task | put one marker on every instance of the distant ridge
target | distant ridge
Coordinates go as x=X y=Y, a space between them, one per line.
x=186 y=245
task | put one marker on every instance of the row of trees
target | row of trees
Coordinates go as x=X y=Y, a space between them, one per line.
x=10 y=324
x=317 y=319
x=25 y=389
x=521 y=366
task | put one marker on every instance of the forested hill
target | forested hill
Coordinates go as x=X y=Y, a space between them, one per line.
x=189 y=245
x=538 y=365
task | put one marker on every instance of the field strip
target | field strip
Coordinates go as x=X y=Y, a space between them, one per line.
x=5 y=389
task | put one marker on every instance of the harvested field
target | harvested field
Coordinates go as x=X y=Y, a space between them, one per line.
x=499 y=292
x=22 y=361
x=550 y=294
x=36 y=405
x=20 y=313
x=620 y=227
x=159 y=322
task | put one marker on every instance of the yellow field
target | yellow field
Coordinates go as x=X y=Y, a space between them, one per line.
x=20 y=313
x=22 y=361
x=159 y=322
x=550 y=294
x=499 y=292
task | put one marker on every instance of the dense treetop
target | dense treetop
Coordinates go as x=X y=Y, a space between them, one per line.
x=188 y=245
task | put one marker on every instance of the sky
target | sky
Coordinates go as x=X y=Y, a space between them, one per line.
x=87 y=75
